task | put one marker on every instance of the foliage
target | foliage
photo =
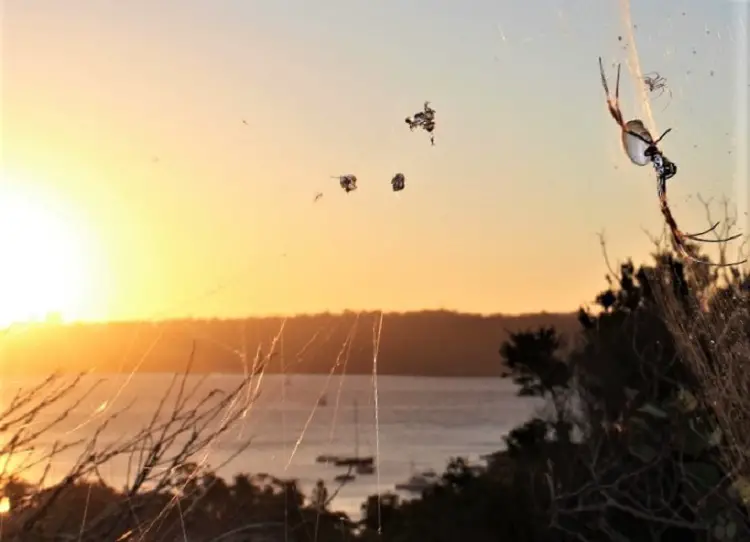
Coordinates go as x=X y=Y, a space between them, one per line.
x=168 y=496
x=464 y=505
x=636 y=444
x=646 y=438
x=206 y=508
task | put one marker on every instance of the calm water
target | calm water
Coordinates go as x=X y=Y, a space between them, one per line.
x=423 y=422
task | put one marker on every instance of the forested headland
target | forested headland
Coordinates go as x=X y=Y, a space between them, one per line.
x=427 y=343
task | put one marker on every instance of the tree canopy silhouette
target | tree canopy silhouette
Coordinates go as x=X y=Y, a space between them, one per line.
x=645 y=436
x=634 y=445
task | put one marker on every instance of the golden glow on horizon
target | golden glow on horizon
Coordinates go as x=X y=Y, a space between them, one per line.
x=190 y=143
x=43 y=269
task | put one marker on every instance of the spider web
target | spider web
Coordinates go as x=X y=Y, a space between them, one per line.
x=634 y=65
x=253 y=367
x=712 y=334
x=263 y=388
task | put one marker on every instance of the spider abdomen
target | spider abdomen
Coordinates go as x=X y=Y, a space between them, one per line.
x=636 y=139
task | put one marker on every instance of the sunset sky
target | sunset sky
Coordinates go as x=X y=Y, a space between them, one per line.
x=122 y=122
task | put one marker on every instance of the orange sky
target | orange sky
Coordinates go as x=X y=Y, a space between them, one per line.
x=500 y=216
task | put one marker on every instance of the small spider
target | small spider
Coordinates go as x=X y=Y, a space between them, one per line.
x=347 y=182
x=398 y=182
x=656 y=83
x=642 y=149
x=424 y=119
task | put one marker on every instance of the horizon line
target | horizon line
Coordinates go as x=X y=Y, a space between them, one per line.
x=61 y=322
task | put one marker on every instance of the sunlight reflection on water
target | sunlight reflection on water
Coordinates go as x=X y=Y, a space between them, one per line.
x=423 y=421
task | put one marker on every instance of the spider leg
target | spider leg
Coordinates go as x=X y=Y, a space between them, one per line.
x=669 y=92
x=639 y=136
x=696 y=236
x=603 y=77
x=662 y=136
x=679 y=238
x=709 y=230
x=612 y=105
x=617 y=87
x=686 y=254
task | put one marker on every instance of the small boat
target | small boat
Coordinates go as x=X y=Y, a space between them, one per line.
x=343 y=478
x=363 y=468
x=418 y=482
x=364 y=465
x=354 y=461
x=327 y=459
x=322 y=401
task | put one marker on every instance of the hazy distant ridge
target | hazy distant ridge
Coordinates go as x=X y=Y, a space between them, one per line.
x=427 y=343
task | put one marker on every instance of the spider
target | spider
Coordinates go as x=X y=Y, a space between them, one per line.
x=424 y=119
x=398 y=182
x=642 y=149
x=347 y=182
x=656 y=83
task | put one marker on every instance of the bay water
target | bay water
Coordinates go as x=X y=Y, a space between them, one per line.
x=419 y=424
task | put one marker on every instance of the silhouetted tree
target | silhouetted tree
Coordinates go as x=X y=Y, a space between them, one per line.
x=465 y=505
x=320 y=496
x=654 y=455
x=648 y=465
x=534 y=363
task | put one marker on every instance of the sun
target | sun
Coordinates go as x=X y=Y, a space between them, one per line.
x=42 y=265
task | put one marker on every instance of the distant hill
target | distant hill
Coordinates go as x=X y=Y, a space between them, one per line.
x=428 y=343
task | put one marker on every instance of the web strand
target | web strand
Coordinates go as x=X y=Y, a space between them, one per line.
x=377 y=331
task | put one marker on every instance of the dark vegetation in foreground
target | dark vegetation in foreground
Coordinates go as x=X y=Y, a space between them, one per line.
x=645 y=438
x=427 y=343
